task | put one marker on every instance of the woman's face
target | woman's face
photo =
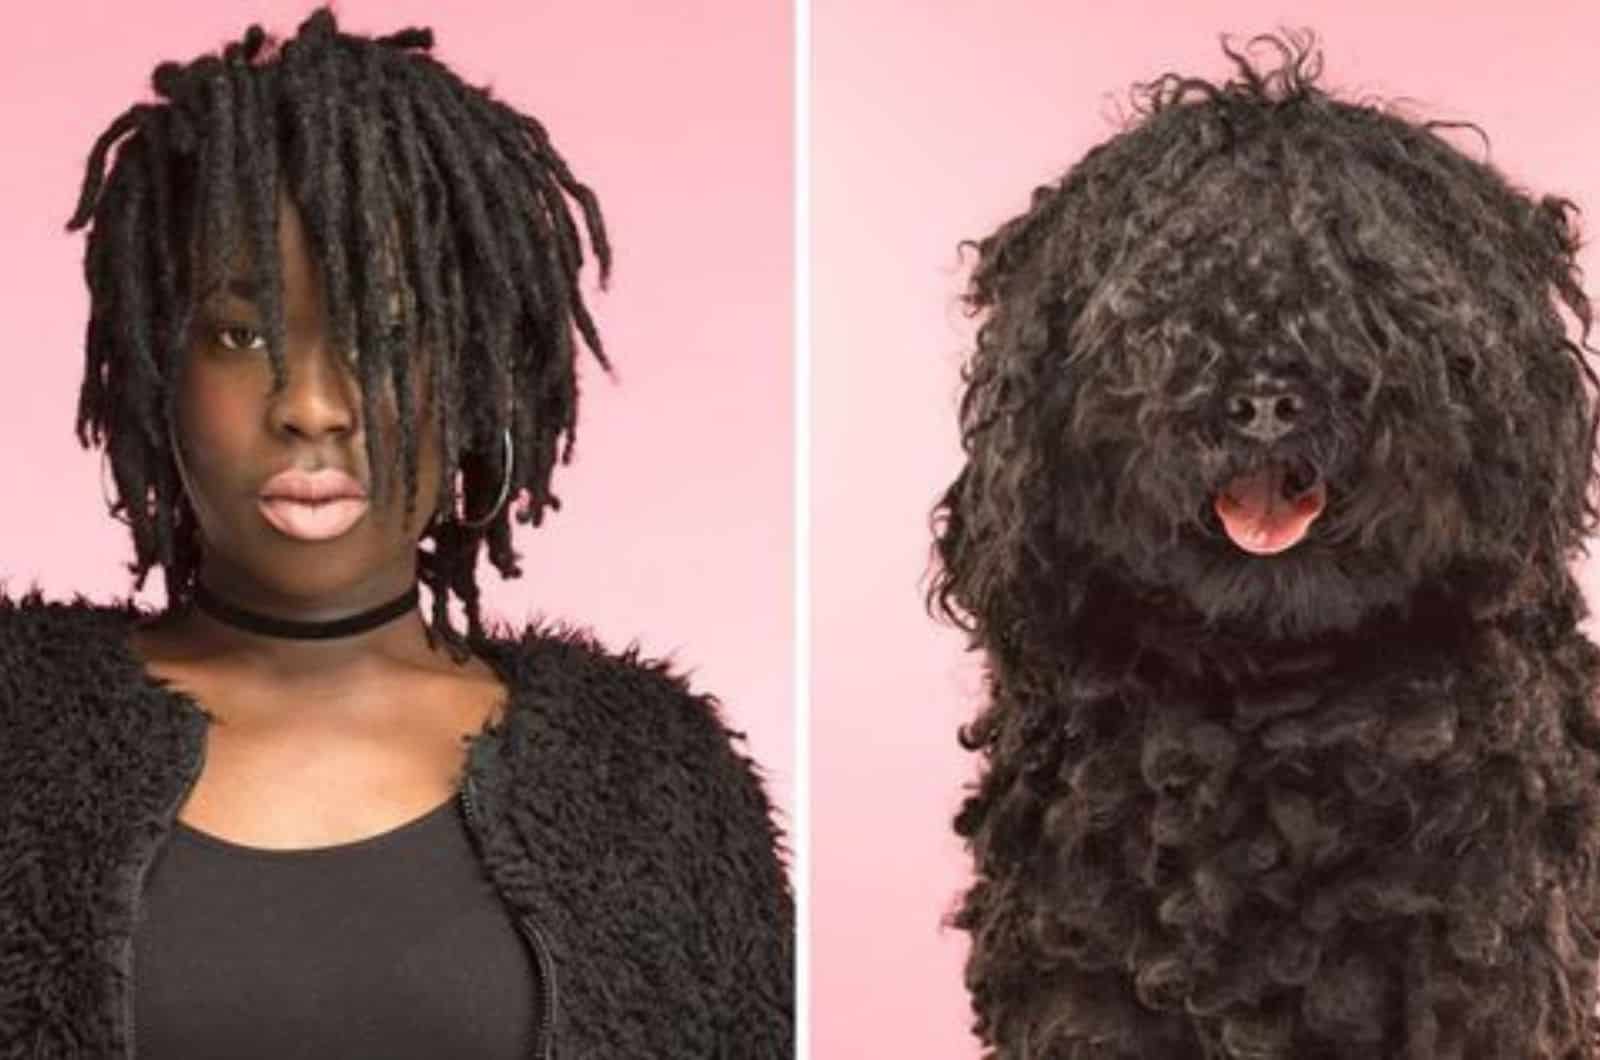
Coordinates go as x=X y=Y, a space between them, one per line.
x=236 y=436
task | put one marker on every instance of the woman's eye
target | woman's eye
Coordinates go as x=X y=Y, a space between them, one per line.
x=241 y=337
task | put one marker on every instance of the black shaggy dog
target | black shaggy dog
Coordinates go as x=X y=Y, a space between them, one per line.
x=1277 y=450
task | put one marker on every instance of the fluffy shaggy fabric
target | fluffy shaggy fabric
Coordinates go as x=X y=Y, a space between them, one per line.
x=614 y=810
x=1277 y=451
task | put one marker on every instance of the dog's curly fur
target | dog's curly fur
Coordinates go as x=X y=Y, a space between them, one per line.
x=1338 y=802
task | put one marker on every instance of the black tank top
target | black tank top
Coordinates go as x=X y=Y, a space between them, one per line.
x=395 y=946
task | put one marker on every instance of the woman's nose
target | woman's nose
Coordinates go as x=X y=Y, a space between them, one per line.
x=320 y=396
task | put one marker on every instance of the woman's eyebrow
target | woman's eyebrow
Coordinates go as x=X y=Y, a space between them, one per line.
x=242 y=287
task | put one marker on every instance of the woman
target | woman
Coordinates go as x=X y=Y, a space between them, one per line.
x=287 y=815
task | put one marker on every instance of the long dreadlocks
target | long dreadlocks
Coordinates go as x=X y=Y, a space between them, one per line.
x=417 y=191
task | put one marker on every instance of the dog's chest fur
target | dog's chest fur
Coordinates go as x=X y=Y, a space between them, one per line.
x=1355 y=845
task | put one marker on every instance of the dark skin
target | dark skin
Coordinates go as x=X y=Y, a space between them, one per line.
x=319 y=742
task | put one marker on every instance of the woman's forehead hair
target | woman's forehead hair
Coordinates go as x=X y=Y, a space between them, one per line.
x=269 y=130
x=234 y=273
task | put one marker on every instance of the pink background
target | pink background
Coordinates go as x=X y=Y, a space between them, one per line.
x=932 y=123
x=676 y=525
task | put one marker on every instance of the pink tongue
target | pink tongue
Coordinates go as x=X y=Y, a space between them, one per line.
x=1257 y=516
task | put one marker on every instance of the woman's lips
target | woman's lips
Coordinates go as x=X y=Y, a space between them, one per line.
x=322 y=484
x=313 y=521
x=313 y=505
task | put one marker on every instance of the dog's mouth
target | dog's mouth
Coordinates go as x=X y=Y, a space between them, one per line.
x=1270 y=508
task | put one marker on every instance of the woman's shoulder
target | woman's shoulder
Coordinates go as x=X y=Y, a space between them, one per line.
x=627 y=695
x=62 y=669
x=590 y=707
x=564 y=662
x=75 y=631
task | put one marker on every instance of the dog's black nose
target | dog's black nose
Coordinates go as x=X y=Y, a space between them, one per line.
x=1266 y=411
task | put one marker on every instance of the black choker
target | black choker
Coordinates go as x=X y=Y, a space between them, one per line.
x=298 y=630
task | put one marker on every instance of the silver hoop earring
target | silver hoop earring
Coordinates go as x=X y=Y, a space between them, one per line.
x=505 y=490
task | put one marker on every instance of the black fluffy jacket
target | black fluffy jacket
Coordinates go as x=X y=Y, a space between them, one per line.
x=633 y=842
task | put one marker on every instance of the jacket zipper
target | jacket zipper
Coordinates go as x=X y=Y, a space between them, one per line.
x=138 y=888
x=544 y=1041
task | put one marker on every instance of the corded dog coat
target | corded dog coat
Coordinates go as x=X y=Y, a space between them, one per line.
x=1279 y=451
x=629 y=838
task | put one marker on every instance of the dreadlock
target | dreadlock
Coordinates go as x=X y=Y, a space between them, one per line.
x=416 y=190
